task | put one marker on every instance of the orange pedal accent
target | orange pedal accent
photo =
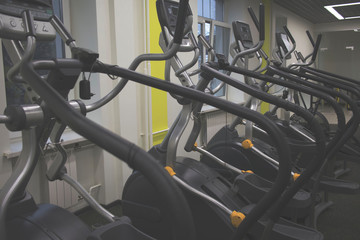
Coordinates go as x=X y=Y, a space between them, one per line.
x=170 y=170
x=237 y=218
x=247 y=144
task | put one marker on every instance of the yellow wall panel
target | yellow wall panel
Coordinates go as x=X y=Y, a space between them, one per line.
x=158 y=97
x=267 y=44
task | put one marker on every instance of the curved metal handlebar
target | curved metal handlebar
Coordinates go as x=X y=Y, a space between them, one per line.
x=289 y=34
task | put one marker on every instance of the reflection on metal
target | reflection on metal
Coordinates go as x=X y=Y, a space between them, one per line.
x=302 y=133
x=218 y=160
x=266 y=157
x=88 y=198
x=202 y=195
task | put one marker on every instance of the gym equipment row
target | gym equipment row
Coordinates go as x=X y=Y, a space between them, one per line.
x=265 y=184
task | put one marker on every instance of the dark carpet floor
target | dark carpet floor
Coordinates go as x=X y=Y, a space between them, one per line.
x=342 y=220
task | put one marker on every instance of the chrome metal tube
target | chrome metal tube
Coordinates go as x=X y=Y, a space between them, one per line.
x=202 y=195
x=218 y=160
x=4 y=119
x=302 y=134
x=176 y=134
x=266 y=157
x=144 y=57
x=88 y=198
x=24 y=166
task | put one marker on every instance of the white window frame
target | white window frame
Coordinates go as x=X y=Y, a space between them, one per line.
x=14 y=138
x=213 y=23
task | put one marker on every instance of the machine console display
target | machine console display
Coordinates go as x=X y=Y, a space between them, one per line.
x=11 y=24
x=283 y=43
x=242 y=34
x=167 y=14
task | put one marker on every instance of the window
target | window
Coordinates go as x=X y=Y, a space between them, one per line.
x=212 y=26
x=212 y=9
x=16 y=92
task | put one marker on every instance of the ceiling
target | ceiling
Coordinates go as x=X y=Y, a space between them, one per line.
x=314 y=11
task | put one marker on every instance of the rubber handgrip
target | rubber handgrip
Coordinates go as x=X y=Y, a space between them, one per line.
x=310 y=38
x=29 y=23
x=180 y=21
x=67 y=35
x=316 y=48
x=289 y=34
x=301 y=57
x=296 y=55
x=262 y=22
x=254 y=18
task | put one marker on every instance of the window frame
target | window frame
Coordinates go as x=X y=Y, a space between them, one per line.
x=213 y=23
x=15 y=138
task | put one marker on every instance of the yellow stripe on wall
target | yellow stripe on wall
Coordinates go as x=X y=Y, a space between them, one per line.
x=158 y=97
x=266 y=47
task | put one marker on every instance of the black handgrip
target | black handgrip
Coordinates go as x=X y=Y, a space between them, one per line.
x=310 y=38
x=289 y=34
x=301 y=56
x=296 y=55
x=254 y=18
x=29 y=25
x=68 y=38
x=316 y=48
x=180 y=21
x=262 y=22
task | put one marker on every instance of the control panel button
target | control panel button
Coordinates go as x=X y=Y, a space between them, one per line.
x=13 y=23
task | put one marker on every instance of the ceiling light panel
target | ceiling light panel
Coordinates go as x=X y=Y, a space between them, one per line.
x=332 y=10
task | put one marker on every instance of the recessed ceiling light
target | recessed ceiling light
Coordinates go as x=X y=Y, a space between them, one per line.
x=352 y=17
x=331 y=9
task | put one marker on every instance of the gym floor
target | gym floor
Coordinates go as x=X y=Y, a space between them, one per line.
x=341 y=221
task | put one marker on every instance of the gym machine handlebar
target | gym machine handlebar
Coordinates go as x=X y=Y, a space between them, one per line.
x=180 y=21
x=316 y=48
x=254 y=18
x=262 y=22
x=289 y=34
x=310 y=38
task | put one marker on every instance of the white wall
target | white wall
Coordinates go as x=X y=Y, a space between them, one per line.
x=297 y=27
x=344 y=25
x=116 y=30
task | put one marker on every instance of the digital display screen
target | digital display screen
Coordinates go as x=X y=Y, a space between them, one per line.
x=174 y=11
x=41 y=9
